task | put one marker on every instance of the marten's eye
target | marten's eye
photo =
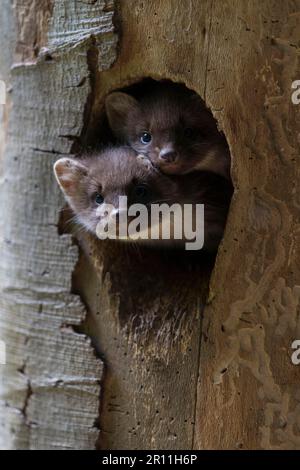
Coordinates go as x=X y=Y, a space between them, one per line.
x=141 y=192
x=146 y=138
x=99 y=199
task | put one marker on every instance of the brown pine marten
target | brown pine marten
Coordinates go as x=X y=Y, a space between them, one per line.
x=97 y=182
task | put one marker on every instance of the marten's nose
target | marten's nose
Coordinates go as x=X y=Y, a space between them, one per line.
x=168 y=155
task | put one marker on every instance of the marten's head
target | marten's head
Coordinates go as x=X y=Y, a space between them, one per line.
x=173 y=127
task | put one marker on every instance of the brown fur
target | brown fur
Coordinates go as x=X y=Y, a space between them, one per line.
x=118 y=172
x=178 y=122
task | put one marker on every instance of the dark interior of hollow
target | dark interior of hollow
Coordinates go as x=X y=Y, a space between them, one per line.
x=163 y=284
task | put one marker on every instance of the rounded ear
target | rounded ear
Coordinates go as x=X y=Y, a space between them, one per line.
x=68 y=173
x=118 y=105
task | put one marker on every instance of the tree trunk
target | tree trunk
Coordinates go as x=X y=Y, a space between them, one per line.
x=50 y=385
x=126 y=350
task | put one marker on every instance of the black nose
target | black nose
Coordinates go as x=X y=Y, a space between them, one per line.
x=168 y=155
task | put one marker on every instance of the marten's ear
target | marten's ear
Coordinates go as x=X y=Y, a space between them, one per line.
x=68 y=173
x=118 y=105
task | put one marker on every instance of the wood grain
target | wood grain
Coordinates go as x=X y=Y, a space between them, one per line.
x=50 y=386
x=248 y=395
x=180 y=371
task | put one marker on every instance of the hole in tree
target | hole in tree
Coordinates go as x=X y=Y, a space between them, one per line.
x=160 y=289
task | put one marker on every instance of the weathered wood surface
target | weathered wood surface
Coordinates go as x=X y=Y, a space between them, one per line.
x=146 y=319
x=50 y=385
x=165 y=384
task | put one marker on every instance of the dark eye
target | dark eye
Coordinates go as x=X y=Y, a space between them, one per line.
x=189 y=133
x=99 y=199
x=146 y=138
x=141 y=192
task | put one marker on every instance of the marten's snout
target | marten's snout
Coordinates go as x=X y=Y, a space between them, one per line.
x=168 y=154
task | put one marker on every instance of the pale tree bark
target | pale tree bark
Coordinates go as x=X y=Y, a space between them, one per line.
x=186 y=365
x=50 y=385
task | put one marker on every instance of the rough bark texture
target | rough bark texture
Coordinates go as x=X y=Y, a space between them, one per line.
x=177 y=375
x=50 y=385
